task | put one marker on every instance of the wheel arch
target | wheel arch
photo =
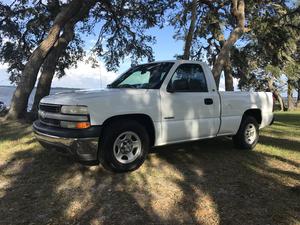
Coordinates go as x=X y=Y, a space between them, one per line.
x=255 y=113
x=143 y=119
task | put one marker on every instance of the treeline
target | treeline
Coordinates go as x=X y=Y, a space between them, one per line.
x=255 y=41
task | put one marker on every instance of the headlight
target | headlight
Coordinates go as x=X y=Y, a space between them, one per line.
x=83 y=110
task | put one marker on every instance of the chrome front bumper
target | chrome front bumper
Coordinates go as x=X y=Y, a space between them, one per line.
x=83 y=149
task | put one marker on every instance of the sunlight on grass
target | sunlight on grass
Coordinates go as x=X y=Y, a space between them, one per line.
x=206 y=182
x=283 y=137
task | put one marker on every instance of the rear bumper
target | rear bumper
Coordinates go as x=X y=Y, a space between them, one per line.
x=80 y=144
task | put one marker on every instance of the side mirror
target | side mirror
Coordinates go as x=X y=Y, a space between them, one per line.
x=178 y=85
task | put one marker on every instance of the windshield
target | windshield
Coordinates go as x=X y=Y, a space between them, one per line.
x=147 y=76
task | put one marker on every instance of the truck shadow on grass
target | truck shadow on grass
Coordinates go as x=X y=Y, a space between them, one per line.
x=243 y=187
x=288 y=119
x=204 y=182
x=281 y=143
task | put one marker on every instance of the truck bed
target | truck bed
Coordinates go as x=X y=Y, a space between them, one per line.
x=234 y=104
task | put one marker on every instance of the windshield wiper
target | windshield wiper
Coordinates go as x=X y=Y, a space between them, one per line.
x=126 y=86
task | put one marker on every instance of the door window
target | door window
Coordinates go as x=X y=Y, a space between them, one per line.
x=188 y=78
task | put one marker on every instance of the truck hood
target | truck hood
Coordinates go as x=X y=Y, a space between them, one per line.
x=103 y=104
x=79 y=97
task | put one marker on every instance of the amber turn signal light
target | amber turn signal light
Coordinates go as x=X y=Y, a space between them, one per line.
x=82 y=125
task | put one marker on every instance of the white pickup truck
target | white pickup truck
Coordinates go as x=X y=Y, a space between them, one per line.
x=152 y=104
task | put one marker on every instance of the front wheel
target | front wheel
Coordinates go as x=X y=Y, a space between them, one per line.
x=124 y=146
x=247 y=135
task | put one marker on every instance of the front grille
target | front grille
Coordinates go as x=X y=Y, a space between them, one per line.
x=50 y=122
x=50 y=115
x=50 y=108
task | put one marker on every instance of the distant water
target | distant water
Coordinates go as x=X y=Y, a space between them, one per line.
x=6 y=93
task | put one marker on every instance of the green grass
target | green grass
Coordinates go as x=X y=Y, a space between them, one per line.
x=204 y=182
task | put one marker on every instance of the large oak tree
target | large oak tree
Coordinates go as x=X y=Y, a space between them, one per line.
x=213 y=30
x=122 y=34
x=28 y=78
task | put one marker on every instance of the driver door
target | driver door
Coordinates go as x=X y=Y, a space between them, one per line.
x=189 y=110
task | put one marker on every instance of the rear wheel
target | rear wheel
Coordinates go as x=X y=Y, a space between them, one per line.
x=124 y=146
x=247 y=135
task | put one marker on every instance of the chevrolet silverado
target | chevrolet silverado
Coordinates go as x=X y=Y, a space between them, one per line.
x=152 y=104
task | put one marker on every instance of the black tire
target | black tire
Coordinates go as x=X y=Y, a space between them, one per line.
x=240 y=140
x=110 y=134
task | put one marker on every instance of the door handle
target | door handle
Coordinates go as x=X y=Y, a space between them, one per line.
x=208 y=101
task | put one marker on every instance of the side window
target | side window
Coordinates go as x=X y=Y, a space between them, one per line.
x=188 y=78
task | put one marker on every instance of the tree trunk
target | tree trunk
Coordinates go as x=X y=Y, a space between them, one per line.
x=238 y=11
x=298 y=97
x=49 y=66
x=279 y=99
x=291 y=104
x=21 y=95
x=275 y=93
x=190 y=34
x=224 y=54
x=228 y=76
